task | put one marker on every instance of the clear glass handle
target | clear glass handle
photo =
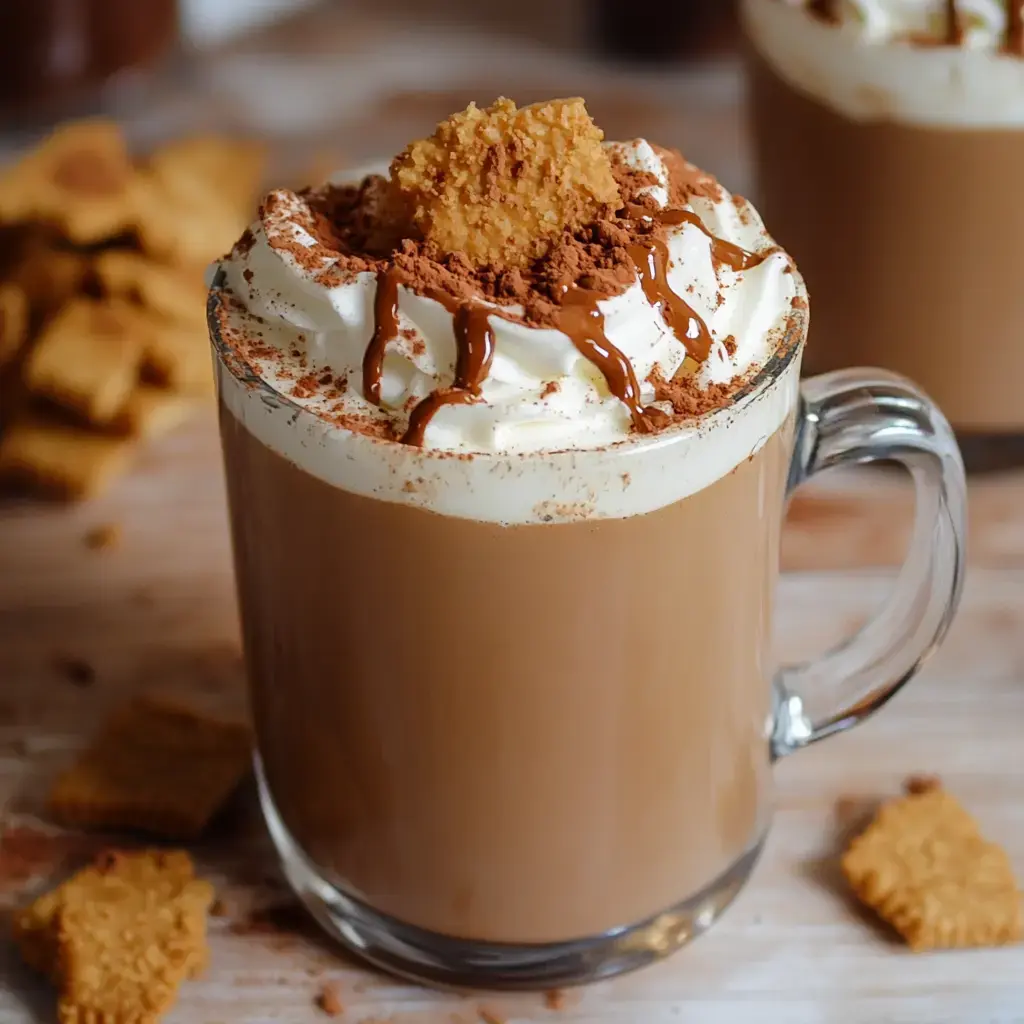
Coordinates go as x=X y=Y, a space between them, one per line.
x=853 y=417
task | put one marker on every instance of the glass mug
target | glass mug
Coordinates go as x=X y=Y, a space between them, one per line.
x=527 y=756
x=857 y=144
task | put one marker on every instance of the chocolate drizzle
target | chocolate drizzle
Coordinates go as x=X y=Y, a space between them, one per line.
x=825 y=9
x=1015 y=28
x=1014 y=39
x=475 y=342
x=954 y=26
x=722 y=251
x=474 y=345
x=580 y=318
x=685 y=322
x=651 y=261
x=385 y=329
x=828 y=10
x=428 y=408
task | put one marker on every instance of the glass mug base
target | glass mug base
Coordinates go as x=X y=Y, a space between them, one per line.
x=442 y=961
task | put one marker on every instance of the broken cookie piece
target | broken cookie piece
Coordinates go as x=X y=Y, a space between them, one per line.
x=58 y=458
x=151 y=411
x=173 y=293
x=233 y=168
x=88 y=358
x=103 y=335
x=502 y=184
x=923 y=866
x=119 y=937
x=80 y=181
x=156 y=766
x=14 y=314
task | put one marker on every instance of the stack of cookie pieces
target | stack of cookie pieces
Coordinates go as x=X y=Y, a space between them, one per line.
x=102 y=300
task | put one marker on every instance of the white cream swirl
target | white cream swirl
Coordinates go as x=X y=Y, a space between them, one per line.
x=541 y=393
x=864 y=69
x=984 y=23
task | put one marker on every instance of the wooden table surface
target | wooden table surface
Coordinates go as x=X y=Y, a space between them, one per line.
x=157 y=611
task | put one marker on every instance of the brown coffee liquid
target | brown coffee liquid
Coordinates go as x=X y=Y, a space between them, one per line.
x=908 y=238
x=512 y=734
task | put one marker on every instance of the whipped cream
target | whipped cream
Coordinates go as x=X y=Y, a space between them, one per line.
x=984 y=23
x=541 y=393
x=870 y=66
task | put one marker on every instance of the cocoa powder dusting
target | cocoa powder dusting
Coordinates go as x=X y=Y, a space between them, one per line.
x=244 y=244
x=688 y=398
x=687 y=181
x=362 y=229
x=307 y=386
x=630 y=180
x=354 y=232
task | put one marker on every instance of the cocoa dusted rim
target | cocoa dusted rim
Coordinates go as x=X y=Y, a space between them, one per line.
x=793 y=332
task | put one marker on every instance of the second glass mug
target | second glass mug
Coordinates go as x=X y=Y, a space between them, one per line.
x=557 y=767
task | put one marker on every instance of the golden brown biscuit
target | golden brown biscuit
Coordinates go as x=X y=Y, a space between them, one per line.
x=502 y=184
x=183 y=219
x=14 y=314
x=155 y=766
x=233 y=167
x=88 y=358
x=172 y=293
x=924 y=867
x=119 y=937
x=80 y=180
x=178 y=356
x=151 y=411
x=48 y=274
x=59 y=459
x=81 y=219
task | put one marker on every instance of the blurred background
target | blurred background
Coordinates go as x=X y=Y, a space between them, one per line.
x=352 y=79
x=136 y=138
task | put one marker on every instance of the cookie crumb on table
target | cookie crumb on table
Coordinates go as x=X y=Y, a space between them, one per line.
x=329 y=1002
x=156 y=766
x=923 y=866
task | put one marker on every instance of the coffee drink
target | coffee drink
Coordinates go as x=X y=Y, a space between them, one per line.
x=461 y=775
x=508 y=434
x=890 y=145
